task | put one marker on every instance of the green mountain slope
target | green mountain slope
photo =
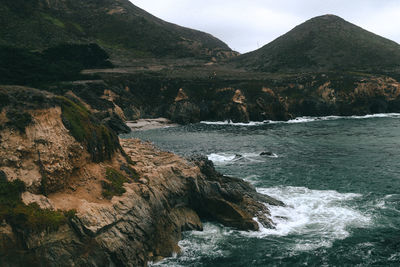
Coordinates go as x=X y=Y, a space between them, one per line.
x=116 y=25
x=324 y=43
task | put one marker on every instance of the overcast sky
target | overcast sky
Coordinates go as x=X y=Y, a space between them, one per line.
x=246 y=25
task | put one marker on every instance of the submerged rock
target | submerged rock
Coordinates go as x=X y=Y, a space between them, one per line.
x=266 y=153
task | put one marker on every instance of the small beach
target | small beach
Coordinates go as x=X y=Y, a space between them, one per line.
x=149 y=124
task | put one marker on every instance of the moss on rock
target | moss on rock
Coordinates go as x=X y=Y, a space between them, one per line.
x=115 y=185
x=30 y=218
x=99 y=140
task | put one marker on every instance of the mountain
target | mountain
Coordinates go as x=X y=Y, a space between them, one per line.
x=310 y=71
x=324 y=43
x=116 y=25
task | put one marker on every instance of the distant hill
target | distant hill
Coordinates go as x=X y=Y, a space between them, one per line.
x=116 y=25
x=324 y=43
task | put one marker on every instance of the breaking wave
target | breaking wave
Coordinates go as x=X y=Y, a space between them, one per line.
x=226 y=158
x=319 y=217
x=302 y=120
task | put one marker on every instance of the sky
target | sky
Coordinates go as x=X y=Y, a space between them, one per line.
x=246 y=25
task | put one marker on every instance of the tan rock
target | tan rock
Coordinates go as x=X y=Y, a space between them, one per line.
x=327 y=93
x=268 y=91
x=46 y=148
x=239 y=98
x=42 y=201
x=181 y=96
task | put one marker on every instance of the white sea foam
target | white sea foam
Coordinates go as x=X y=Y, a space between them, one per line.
x=273 y=155
x=206 y=242
x=226 y=158
x=387 y=203
x=199 y=244
x=318 y=216
x=251 y=178
x=221 y=157
x=378 y=115
x=251 y=123
x=304 y=119
x=312 y=219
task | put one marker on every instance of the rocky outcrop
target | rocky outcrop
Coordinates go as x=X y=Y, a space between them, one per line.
x=181 y=96
x=218 y=97
x=145 y=223
x=121 y=211
x=45 y=155
x=330 y=94
x=184 y=112
x=115 y=123
x=229 y=200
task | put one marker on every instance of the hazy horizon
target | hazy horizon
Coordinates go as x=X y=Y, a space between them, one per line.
x=247 y=27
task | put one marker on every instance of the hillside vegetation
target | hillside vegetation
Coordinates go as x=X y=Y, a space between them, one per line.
x=116 y=25
x=324 y=43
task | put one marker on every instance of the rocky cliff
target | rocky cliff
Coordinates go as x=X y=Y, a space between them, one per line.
x=194 y=95
x=71 y=193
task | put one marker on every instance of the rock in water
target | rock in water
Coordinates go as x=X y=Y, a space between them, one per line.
x=266 y=153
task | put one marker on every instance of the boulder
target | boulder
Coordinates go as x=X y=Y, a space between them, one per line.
x=266 y=153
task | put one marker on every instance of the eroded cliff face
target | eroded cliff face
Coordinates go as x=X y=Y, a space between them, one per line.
x=127 y=209
x=307 y=95
x=343 y=95
x=45 y=151
x=187 y=96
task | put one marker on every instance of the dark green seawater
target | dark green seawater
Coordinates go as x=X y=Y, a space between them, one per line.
x=339 y=176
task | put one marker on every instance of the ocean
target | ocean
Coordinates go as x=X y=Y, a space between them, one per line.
x=339 y=176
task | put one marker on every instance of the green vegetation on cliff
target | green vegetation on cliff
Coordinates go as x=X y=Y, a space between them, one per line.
x=100 y=141
x=115 y=185
x=30 y=218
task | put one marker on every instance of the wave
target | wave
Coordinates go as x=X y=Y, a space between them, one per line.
x=225 y=158
x=303 y=120
x=319 y=217
x=199 y=244
x=221 y=158
x=229 y=122
x=312 y=219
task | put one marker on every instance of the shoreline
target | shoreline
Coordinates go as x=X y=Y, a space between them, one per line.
x=150 y=124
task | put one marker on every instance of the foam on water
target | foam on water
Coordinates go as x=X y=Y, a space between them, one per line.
x=313 y=219
x=199 y=244
x=389 y=203
x=221 y=158
x=251 y=123
x=226 y=158
x=303 y=119
x=251 y=178
x=318 y=216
